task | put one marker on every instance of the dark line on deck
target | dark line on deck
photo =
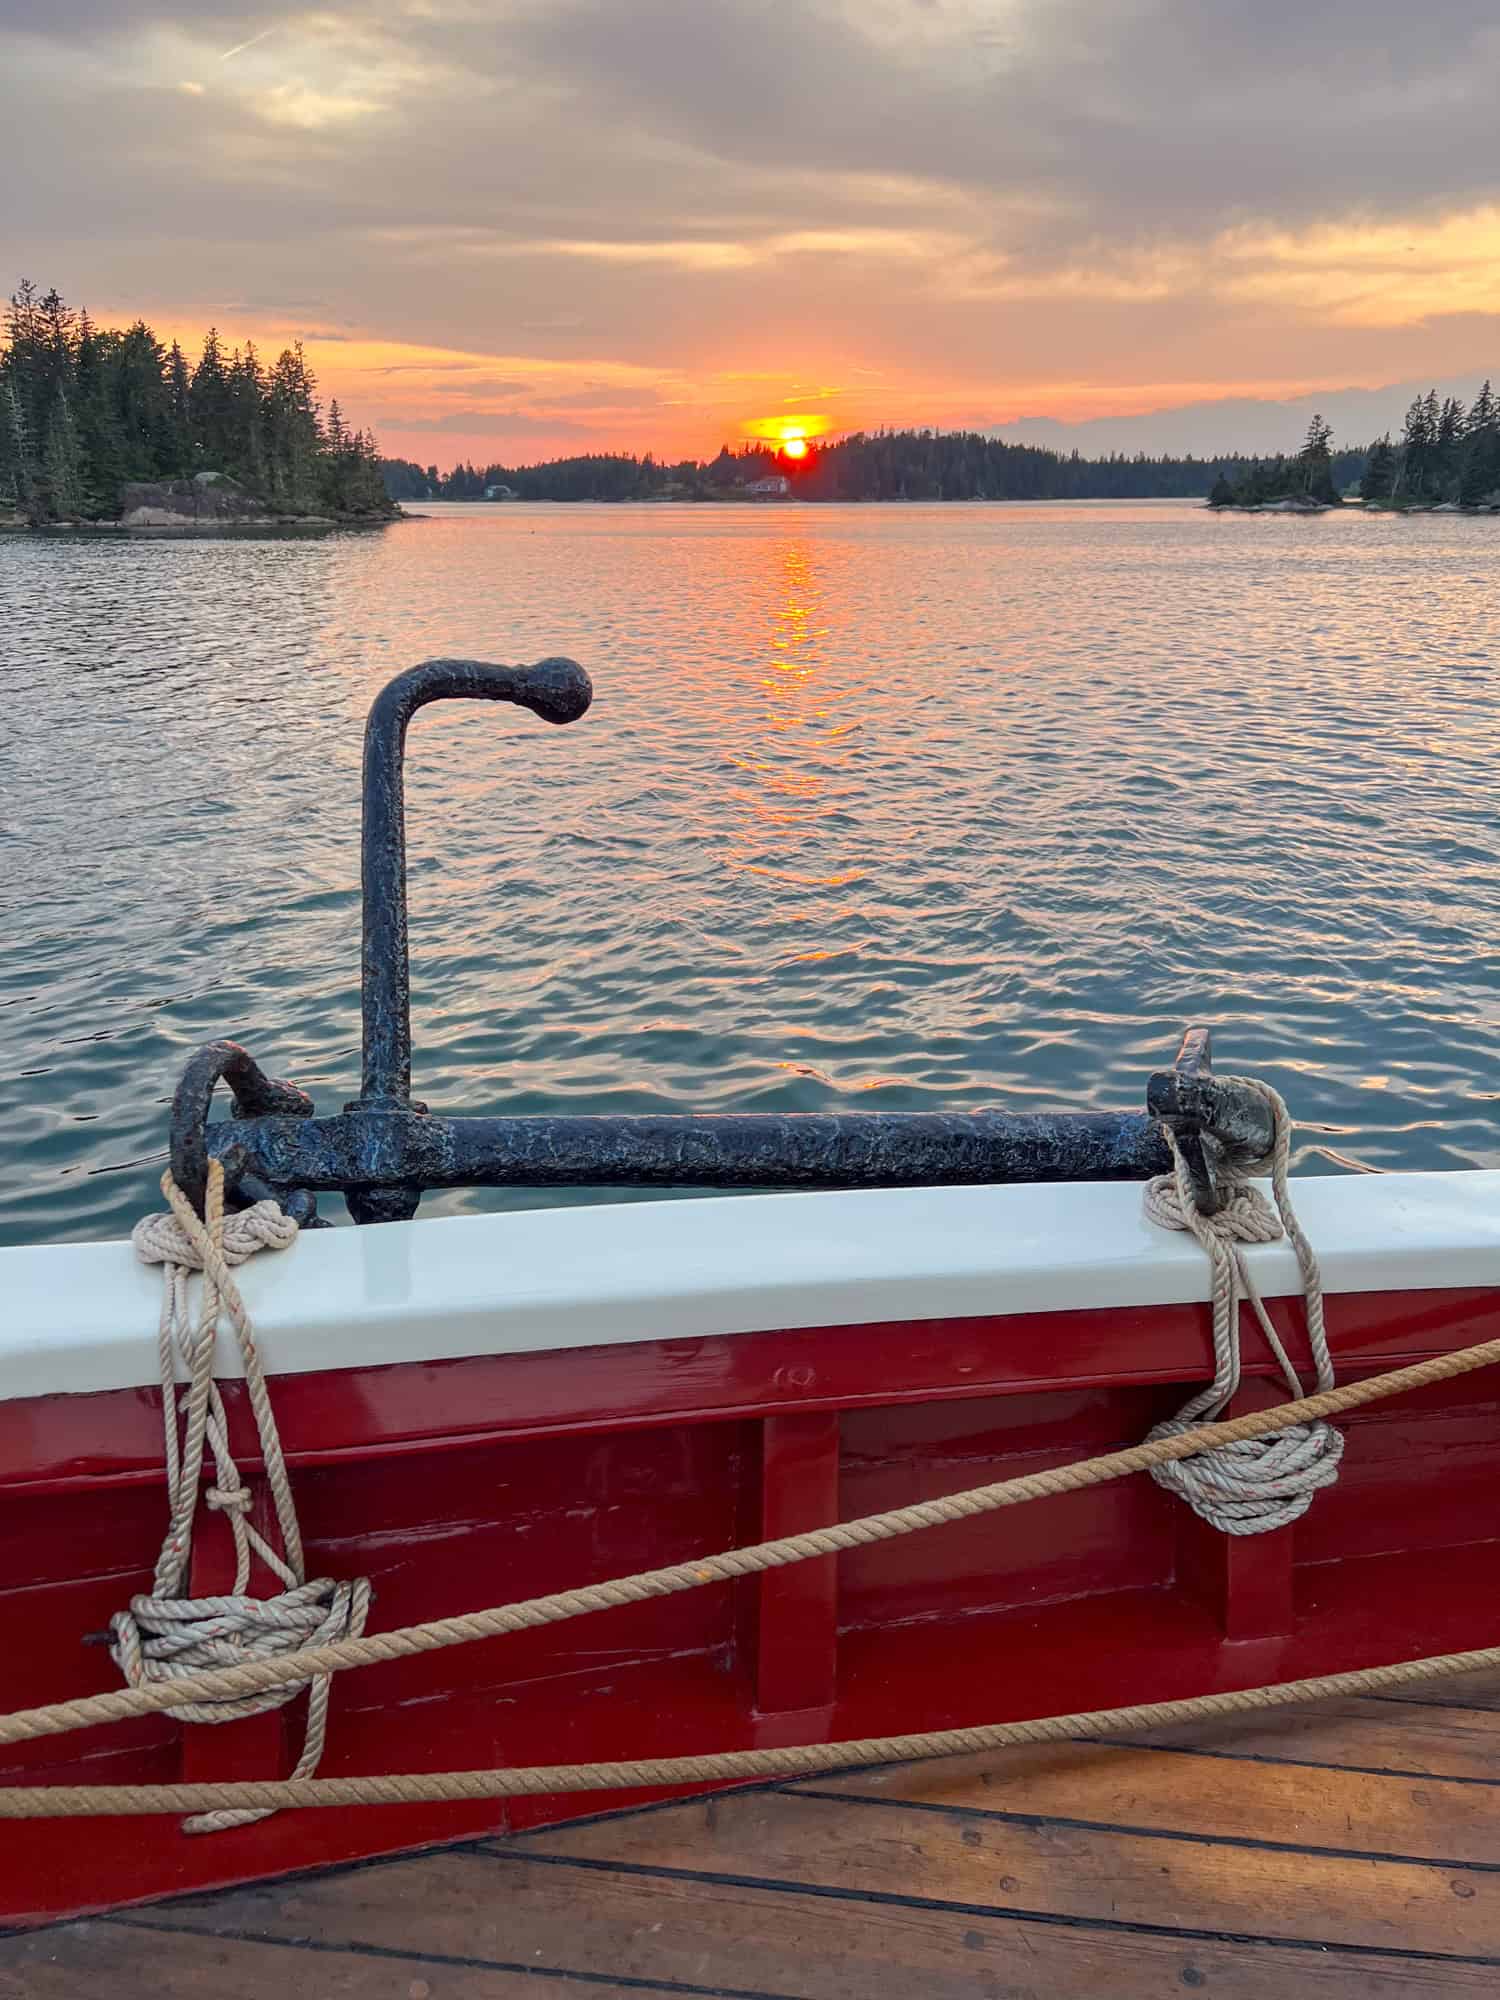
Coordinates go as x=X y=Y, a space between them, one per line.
x=892 y=1899
x=1433 y=1701
x=630 y=1982
x=1299 y=1763
x=1039 y=1822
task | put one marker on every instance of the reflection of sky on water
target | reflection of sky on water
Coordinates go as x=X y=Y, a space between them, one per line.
x=940 y=806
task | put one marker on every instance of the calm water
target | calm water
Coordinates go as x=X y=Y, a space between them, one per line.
x=896 y=806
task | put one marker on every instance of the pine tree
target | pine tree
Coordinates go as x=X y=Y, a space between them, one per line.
x=1315 y=463
x=179 y=412
x=26 y=363
x=209 y=403
x=84 y=410
x=153 y=447
x=102 y=453
x=1446 y=452
x=294 y=439
x=245 y=455
x=1416 y=446
x=62 y=482
x=1475 y=481
x=1380 y=472
x=17 y=459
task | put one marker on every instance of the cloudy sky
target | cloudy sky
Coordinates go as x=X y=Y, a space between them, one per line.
x=508 y=228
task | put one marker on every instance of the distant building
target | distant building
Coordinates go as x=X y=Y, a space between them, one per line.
x=775 y=487
x=499 y=493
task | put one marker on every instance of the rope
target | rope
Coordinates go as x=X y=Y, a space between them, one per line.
x=165 y=1638
x=1256 y=1484
x=217 y=1246
x=717 y=1767
x=90 y=1711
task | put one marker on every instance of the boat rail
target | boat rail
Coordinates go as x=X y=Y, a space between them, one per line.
x=386 y=1148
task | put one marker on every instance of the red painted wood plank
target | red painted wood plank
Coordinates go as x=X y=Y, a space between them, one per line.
x=797 y=1635
x=1245 y=1581
x=538 y=1482
x=365 y=1412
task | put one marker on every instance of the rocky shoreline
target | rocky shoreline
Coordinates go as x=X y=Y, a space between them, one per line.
x=1303 y=506
x=209 y=503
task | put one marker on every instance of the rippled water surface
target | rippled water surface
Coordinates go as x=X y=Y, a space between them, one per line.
x=899 y=807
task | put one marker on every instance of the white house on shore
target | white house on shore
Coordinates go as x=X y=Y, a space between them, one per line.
x=775 y=486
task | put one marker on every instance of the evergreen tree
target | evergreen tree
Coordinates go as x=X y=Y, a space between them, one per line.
x=179 y=410
x=1447 y=447
x=101 y=441
x=1416 y=447
x=209 y=404
x=1380 y=473
x=1479 y=469
x=245 y=391
x=17 y=456
x=294 y=440
x=62 y=484
x=26 y=363
x=1479 y=482
x=153 y=446
x=85 y=410
x=1315 y=463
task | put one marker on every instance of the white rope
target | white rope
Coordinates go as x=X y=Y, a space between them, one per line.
x=165 y=1635
x=1255 y=1485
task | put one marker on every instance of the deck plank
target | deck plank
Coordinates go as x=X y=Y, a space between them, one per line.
x=1363 y=1733
x=123 y=1962
x=471 y=1916
x=1477 y=1690
x=1351 y=1851
x=1272 y=1804
x=854 y=1851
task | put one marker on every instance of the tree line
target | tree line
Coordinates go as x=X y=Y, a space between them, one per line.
x=1447 y=456
x=875 y=465
x=85 y=410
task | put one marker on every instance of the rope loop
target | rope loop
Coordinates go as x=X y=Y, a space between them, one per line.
x=166 y=1635
x=1256 y=1484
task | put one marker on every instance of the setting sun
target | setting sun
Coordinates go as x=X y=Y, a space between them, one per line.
x=790 y=433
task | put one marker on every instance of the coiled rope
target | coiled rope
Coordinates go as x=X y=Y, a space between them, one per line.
x=1257 y=1484
x=166 y=1638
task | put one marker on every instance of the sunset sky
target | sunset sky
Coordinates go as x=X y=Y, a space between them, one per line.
x=512 y=228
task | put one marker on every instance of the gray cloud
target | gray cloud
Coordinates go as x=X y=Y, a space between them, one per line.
x=913 y=183
x=1204 y=107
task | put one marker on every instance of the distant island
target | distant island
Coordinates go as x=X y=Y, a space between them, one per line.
x=1448 y=458
x=107 y=427
x=877 y=465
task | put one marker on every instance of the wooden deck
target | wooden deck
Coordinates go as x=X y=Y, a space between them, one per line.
x=1352 y=1849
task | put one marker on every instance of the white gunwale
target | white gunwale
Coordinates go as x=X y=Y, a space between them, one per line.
x=82 y=1317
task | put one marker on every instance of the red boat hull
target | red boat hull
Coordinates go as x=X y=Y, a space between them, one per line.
x=463 y=1483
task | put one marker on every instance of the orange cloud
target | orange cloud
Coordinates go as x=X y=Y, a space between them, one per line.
x=776 y=430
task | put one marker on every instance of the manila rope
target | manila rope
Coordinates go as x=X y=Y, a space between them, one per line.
x=1238 y=1489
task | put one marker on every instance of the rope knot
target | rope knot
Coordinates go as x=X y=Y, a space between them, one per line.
x=1255 y=1484
x=1246 y=1217
x=180 y=1238
x=165 y=1635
